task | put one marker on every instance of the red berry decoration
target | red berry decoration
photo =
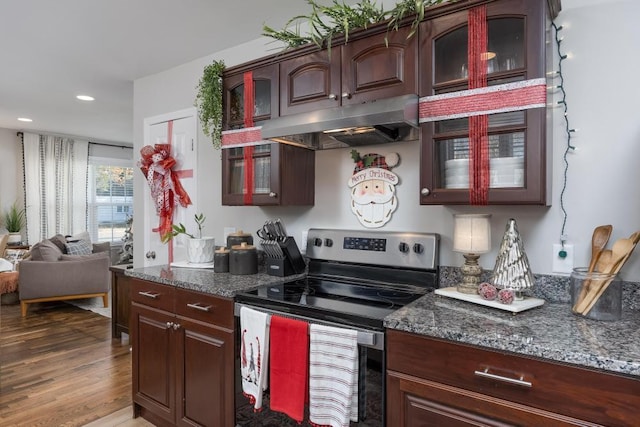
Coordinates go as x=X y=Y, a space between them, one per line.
x=487 y=291
x=505 y=296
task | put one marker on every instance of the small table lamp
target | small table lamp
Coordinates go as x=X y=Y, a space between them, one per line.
x=472 y=237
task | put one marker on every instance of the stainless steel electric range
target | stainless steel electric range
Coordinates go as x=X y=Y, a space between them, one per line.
x=355 y=279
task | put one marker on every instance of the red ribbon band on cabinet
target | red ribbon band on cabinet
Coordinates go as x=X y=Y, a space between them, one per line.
x=242 y=137
x=249 y=167
x=502 y=98
x=478 y=125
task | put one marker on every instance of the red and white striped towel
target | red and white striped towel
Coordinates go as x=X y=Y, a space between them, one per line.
x=254 y=354
x=333 y=376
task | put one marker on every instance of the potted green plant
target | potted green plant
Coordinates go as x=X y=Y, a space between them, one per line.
x=325 y=22
x=199 y=249
x=14 y=220
x=209 y=102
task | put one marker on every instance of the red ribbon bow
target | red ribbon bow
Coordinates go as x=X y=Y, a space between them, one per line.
x=157 y=166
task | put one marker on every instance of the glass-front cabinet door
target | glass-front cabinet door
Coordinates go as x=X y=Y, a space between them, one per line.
x=265 y=94
x=516 y=137
x=249 y=176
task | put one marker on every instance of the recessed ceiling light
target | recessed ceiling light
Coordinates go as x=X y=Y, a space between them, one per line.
x=85 y=98
x=24 y=119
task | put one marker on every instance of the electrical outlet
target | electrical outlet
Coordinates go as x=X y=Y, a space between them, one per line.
x=303 y=244
x=562 y=265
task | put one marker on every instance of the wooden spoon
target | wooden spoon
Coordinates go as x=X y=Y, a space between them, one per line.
x=604 y=260
x=599 y=240
x=620 y=252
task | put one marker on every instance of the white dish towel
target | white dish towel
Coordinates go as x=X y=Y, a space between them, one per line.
x=333 y=375
x=254 y=354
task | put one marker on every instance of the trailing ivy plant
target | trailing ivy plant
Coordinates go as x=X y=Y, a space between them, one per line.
x=324 y=22
x=209 y=102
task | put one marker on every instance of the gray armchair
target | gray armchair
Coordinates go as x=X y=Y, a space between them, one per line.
x=51 y=275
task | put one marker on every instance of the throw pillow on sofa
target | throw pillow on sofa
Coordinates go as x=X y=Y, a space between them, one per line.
x=83 y=235
x=60 y=241
x=45 y=251
x=81 y=247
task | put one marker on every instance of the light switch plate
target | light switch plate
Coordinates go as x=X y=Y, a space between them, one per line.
x=562 y=265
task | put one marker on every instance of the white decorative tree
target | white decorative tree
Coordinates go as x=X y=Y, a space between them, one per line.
x=512 y=270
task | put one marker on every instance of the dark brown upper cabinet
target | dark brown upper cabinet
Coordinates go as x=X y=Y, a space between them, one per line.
x=519 y=142
x=376 y=66
x=283 y=175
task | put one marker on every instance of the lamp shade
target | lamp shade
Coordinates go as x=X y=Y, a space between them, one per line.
x=471 y=233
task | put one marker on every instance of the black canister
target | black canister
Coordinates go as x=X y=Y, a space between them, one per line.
x=243 y=259
x=238 y=238
x=221 y=260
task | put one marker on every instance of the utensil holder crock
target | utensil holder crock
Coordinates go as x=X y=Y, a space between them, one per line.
x=596 y=295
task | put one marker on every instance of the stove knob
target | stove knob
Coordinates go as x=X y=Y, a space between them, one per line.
x=418 y=248
x=328 y=242
x=317 y=242
x=403 y=247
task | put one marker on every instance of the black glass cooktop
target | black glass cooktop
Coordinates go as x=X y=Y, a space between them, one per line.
x=353 y=303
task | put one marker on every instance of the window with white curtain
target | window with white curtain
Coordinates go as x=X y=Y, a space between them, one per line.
x=109 y=198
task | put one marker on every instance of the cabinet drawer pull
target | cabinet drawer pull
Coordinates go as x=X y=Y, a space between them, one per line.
x=197 y=306
x=517 y=381
x=149 y=294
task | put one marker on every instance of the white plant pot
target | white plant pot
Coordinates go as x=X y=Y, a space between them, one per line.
x=15 y=238
x=201 y=251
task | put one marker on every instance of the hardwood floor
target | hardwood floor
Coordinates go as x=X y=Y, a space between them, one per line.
x=60 y=367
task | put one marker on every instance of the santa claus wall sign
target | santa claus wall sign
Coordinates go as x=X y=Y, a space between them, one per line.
x=373 y=188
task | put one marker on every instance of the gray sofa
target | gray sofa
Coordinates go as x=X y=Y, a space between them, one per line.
x=57 y=269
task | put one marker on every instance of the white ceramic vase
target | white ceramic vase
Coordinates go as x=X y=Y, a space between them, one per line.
x=14 y=238
x=200 y=251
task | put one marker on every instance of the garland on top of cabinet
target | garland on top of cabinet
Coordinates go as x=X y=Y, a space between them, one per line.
x=326 y=21
x=209 y=102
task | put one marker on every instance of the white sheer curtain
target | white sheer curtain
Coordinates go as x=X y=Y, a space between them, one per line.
x=55 y=172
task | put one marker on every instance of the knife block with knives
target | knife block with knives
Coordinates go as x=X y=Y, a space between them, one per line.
x=291 y=261
x=283 y=257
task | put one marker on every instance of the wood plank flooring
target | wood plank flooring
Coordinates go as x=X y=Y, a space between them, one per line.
x=60 y=367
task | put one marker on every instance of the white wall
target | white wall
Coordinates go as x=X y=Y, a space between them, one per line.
x=11 y=188
x=602 y=188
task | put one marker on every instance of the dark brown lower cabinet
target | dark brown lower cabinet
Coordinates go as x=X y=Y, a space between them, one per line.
x=432 y=382
x=183 y=367
x=120 y=301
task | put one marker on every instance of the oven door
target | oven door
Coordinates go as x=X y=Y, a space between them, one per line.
x=371 y=381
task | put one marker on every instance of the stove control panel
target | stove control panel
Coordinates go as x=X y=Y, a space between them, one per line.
x=365 y=243
x=390 y=248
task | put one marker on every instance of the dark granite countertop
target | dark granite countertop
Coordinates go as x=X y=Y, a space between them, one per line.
x=549 y=332
x=206 y=280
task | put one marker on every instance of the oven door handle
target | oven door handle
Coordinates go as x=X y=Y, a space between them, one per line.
x=366 y=338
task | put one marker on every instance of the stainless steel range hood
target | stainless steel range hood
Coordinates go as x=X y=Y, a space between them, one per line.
x=376 y=122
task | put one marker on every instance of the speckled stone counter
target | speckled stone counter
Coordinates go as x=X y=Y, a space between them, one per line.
x=206 y=280
x=549 y=332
